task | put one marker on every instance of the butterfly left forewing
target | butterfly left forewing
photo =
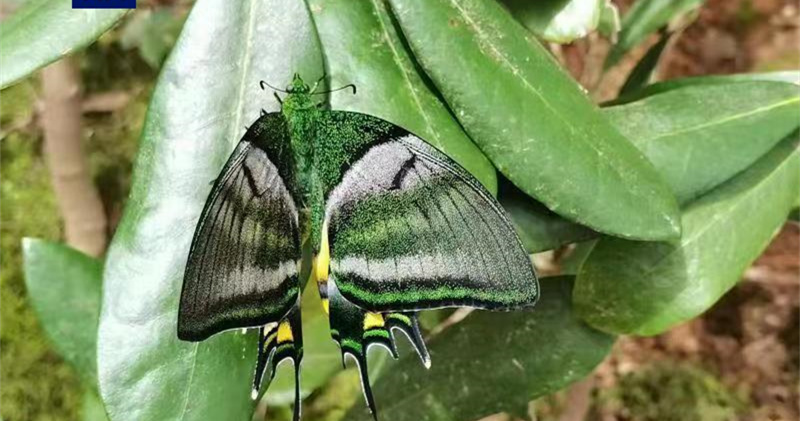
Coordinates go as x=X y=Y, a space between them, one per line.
x=243 y=268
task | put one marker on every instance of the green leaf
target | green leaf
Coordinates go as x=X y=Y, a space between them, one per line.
x=661 y=87
x=64 y=287
x=730 y=125
x=559 y=21
x=646 y=288
x=538 y=227
x=644 y=18
x=680 y=132
x=642 y=73
x=609 y=24
x=207 y=93
x=92 y=408
x=492 y=362
x=363 y=47
x=533 y=121
x=571 y=264
x=42 y=31
x=152 y=33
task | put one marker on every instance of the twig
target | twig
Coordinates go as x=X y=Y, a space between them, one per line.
x=106 y=102
x=78 y=200
x=578 y=400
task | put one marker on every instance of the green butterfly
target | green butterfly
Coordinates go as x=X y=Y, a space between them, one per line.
x=384 y=224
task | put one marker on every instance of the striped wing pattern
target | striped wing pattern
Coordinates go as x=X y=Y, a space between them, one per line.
x=242 y=267
x=410 y=229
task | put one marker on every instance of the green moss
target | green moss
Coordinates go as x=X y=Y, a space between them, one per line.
x=673 y=392
x=37 y=385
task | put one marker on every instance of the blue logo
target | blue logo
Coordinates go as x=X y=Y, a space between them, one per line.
x=103 y=4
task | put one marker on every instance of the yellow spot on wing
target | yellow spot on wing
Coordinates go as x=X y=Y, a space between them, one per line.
x=285 y=333
x=373 y=320
x=323 y=259
x=326 y=305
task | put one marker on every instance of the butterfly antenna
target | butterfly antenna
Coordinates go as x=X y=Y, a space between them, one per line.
x=263 y=84
x=350 y=86
x=316 y=84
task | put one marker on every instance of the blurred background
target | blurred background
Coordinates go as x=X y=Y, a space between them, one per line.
x=738 y=362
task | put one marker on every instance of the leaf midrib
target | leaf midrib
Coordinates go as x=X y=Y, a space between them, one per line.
x=714 y=221
x=726 y=119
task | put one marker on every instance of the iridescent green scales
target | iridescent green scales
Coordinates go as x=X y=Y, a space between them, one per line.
x=381 y=222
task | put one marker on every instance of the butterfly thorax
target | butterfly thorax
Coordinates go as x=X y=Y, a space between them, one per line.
x=302 y=115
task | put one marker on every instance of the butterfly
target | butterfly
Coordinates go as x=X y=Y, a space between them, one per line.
x=383 y=224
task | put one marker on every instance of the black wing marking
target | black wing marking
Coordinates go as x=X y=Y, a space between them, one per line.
x=242 y=268
x=409 y=229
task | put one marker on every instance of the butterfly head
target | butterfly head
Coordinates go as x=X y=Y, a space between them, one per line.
x=300 y=93
x=298 y=86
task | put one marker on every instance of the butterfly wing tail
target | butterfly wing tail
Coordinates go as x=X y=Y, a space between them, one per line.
x=409 y=325
x=356 y=330
x=278 y=342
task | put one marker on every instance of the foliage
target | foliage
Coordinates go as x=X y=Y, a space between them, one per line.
x=62 y=281
x=644 y=18
x=564 y=20
x=678 y=281
x=44 y=30
x=152 y=33
x=561 y=136
x=681 y=183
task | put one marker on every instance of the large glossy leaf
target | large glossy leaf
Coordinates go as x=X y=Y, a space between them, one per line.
x=362 y=46
x=539 y=228
x=558 y=20
x=533 y=121
x=661 y=87
x=64 y=287
x=699 y=136
x=92 y=408
x=645 y=18
x=207 y=93
x=642 y=73
x=44 y=30
x=493 y=362
x=681 y=131
x=646 y=288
